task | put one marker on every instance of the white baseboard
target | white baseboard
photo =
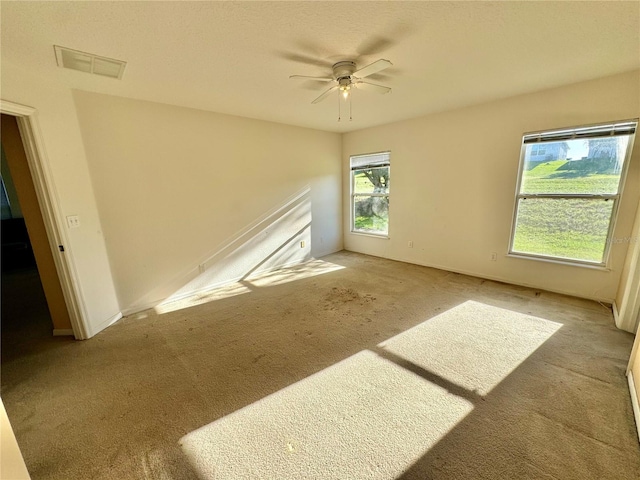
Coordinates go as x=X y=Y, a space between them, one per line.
x=483 y=276
x=616 y=315
x=133 y=309
x=323 y=253
x=634 y=401
x=62 y=332
x=141 y=307
x=497 y=278
x=107 y=323
x=213 y=286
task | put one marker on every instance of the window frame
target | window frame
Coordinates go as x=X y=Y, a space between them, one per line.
x=569 y=133
x=353 y=194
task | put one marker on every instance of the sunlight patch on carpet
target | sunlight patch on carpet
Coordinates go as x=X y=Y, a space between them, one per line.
x=372 y=415
x=291 y=274
x=280 y=276
x=472 y=345
x=201 y=298
x=362 y=418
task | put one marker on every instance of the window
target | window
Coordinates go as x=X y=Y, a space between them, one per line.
x=370 y=193
x=566 y=203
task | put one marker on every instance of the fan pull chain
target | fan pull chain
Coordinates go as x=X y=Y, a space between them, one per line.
x=350 y=117
x=339 y=108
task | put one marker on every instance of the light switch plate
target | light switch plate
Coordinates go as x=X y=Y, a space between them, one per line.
x=73 y=221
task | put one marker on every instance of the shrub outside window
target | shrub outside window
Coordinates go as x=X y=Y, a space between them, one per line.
x=370 y=193
x=568 y=192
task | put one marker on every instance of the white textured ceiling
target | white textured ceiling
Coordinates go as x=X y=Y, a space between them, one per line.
x=236 y=57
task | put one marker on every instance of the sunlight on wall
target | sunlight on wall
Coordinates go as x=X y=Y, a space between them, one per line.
x=374 y=414
x=282 y=275
x=275 y=241
x=279 y=238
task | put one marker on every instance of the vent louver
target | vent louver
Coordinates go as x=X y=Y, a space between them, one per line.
x=89 y=63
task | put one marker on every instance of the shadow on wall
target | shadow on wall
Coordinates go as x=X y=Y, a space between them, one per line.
x=279 y=238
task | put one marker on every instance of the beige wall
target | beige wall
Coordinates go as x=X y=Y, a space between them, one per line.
x=628 y=294
x=19 y=168
x=635 y=369
x=454 y=178
x=180 y=190
x=64 y=160
x=454 y=221
x=12 y=465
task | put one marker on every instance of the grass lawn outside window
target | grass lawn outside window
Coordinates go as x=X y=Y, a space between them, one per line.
x=370 y=194
x=569 y=188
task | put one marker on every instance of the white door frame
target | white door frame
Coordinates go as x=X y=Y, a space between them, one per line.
x=635 y=401
x=27 y=119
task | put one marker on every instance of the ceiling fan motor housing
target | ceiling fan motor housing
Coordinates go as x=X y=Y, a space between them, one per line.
x=345 y=76
x=343 y=70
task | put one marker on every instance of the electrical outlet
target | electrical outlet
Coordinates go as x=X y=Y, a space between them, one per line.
x=410 y=243
x=73 y=221
x=494 y=256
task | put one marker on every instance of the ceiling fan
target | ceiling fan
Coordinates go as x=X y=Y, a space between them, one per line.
x=345 y=77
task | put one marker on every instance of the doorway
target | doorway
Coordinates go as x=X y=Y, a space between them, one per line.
x=33 y=304
x=24 y=312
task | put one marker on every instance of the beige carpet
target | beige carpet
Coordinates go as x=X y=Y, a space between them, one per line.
x=350 y=367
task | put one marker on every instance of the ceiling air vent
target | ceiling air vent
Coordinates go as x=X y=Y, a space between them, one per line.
x=89 y=63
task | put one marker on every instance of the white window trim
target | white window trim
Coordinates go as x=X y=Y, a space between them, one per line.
x=352 y=195
x=606 y=256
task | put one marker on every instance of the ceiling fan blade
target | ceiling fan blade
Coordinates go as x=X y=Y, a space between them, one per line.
x=320 y=79
x=372 y=87
x=375 y=67
x=306 y=59
x=325 y=94
x=375 y=45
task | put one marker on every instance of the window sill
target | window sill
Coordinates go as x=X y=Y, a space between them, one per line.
x=559 y=261
x=374 y=235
